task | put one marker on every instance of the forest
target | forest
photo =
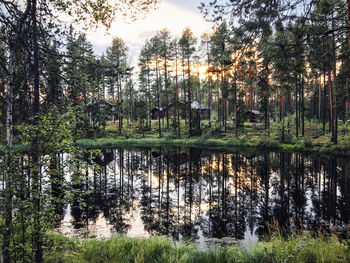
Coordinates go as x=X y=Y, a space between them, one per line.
x=268 y=76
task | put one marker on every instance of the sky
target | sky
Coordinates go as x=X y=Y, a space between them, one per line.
x=174 y=15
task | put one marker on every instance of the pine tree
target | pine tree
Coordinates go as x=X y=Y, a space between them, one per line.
x=187 y=44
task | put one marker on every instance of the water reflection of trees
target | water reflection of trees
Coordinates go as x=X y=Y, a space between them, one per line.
x=192 y=192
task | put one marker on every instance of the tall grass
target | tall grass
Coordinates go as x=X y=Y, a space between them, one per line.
x=123 y=249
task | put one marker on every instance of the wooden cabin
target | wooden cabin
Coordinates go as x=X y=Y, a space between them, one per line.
x=157 y=113
x=201 y=109
x=195 y=106
x=171 y=109
x=252 y=115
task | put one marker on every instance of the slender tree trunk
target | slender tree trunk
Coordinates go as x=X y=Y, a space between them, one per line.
x=218 y=97
x=235 y=105
x=130 y=107
x=319 y=98
x=113 y=95
x=158 y=100
x=335 y=117
x=302 y=108
x=177 y=101
x=296 y=108
x=210 y=101
x=348 y=18
x=149 y=99
x=119 y=107
x=222 y=100
x=209 y=83
x=189 y=94
x=347 y=103
x=266 y=108
x=35 y=154
x=184 y=88
x=166 y=91
x=200 y=101
x=121 y=104
x=324 y=102
x=7 y=187
x=9 y=121
x=282 y=112
x=330 y=102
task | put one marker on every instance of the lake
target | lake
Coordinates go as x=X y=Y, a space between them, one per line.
x=190 y=193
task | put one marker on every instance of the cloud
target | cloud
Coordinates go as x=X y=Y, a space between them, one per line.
x=171 y=14
x=188 y=4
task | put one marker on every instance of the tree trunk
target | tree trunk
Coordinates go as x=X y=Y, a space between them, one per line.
x=296 y=108
x=166 y=91
x=177 y=105
x=184 y=88
x=266 y=108
x=235 y=105
x=149 y=100
x=302 y=108
x=209 y=83
x=218 y=98
x=7 y=187
x=330 y=102
x=347 y=103
x=282 y=112
x=335 y=117
x=324 y=103
x=119 y=107
x=348 y=18
x=200 y=101
x=9 y=122
x=222 y=100
x=189 y=94
x=158 y=100
x=319 y=99
x=35 y=154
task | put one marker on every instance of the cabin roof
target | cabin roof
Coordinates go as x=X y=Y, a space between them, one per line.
x=98 y=102
x=156 y=108
x=255 y=112
x=195 y=105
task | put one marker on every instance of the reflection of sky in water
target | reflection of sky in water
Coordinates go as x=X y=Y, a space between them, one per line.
x=192 y=204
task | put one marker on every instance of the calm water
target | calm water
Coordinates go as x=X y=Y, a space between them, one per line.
x=201 y=194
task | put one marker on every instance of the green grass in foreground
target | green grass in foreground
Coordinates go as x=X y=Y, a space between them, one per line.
x=127 y=250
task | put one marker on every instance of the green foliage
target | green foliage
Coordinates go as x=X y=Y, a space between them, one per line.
x=295 y=249
x=37 y=206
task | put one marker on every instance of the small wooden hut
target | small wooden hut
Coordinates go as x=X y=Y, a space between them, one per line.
x=252 y=115
x=157 y=113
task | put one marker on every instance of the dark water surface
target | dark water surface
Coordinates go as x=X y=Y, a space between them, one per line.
x=201 y=194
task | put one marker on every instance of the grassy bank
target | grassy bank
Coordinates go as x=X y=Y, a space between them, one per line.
x=250 y=136
x=123 y=249
x=262 y=143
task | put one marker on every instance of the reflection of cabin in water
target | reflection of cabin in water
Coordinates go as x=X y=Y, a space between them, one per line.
x=171 y=110
x=181 y=158
x=252 y=115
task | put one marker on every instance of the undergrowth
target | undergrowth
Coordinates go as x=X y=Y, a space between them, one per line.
x=122 y=249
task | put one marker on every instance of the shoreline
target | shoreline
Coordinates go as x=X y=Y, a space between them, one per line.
x=261 y=144
x=301 y=145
